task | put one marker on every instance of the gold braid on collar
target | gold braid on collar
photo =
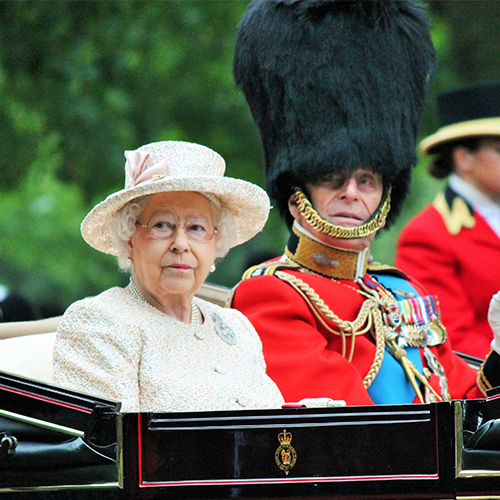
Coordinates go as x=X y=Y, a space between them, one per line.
x=323 y=226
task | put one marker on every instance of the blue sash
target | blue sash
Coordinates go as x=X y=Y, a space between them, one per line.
x=391 y=386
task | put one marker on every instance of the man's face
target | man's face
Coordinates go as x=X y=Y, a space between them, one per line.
x=347 y=200
x=483 y=168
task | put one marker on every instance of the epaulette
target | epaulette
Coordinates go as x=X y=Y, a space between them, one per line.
x=268 y=269
x=376 y=267
x=454 y=210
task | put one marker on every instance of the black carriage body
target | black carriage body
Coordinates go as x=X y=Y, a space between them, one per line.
x=58 y=444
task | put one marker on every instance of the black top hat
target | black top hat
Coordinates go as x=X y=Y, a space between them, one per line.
x=465 y=112
x=335 y=85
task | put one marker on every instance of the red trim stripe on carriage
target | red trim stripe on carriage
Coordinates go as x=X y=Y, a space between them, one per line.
x=47 y=400
x=332 y=479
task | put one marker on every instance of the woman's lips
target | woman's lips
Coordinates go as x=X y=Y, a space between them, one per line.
x=179 y=266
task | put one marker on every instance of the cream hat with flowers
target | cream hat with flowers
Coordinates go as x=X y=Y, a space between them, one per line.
x=179 y=166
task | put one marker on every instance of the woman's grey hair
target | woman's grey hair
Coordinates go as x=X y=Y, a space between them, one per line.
x=123 y=226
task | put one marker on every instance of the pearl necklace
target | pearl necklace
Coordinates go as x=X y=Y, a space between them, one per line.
x=195 y=312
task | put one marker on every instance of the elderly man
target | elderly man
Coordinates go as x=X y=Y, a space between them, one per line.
x=337 y=89
x=453 y=246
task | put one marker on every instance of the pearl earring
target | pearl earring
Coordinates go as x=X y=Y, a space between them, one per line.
x=129 y=262
x=212 y=268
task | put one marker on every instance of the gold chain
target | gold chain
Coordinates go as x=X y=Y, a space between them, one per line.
x=323 y=226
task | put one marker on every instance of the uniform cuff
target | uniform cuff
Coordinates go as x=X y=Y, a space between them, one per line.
x=489 y=373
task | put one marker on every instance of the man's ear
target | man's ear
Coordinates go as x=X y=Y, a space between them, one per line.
x=294 y=209
x=463 y=158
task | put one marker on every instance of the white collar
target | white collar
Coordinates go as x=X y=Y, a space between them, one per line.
x=481 y=203
x=472 y=195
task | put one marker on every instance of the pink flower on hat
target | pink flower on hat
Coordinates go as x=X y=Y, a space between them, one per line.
x=137 y=170
x=135 y=166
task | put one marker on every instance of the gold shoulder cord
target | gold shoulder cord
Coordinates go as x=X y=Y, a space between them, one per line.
x=347 y=328
x=323 y=226
x=369 y=314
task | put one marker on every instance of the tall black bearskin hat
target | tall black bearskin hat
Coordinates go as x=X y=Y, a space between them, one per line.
x=335 y=85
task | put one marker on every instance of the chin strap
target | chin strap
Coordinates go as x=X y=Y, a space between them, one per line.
x=323 y=226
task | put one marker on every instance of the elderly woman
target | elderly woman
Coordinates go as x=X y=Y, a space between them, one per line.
x=153 y=345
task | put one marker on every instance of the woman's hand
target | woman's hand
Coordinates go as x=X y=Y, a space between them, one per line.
x=494 y=321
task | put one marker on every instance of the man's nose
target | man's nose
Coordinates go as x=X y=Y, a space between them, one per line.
x=350 y=189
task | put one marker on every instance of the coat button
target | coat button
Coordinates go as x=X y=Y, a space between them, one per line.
x=199 y=335
x=220 y=368
x=242 y=401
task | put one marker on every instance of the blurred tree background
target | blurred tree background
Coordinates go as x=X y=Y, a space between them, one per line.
x=82 y=81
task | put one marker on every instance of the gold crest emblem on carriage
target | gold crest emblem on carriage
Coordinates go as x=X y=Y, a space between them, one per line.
x=285 y=455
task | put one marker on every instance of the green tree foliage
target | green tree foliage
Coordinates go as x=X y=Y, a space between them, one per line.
x=82 y=81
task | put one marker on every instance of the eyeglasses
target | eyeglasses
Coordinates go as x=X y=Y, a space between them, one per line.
x=160 y=229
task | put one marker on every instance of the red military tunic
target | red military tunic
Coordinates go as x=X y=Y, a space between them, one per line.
x=455 y=254
x=306 y=357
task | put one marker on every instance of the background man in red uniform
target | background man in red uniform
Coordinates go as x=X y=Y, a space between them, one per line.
x=337 y=89
x=453 y=246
